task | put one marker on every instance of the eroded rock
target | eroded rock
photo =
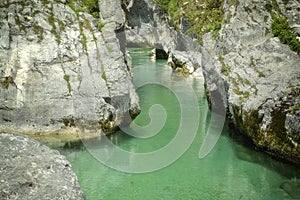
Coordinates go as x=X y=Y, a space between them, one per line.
x=59 y=65
x=246 y=68
x=261 y=77
x=149 y=28
x=29 y=170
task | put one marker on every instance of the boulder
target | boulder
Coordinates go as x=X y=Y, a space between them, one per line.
x=29 y=170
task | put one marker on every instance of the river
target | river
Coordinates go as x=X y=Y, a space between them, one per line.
x=232 y=170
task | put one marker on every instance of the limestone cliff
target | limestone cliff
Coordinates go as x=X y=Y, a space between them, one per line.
x=244 y=65
x=148 y=27
x=261 y=76
x=62 y=66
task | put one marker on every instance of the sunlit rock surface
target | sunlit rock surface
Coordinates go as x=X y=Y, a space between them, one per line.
x=246 y=68
x=61 y=69
x=261 y=77
x=29 y=170
x=148 y=27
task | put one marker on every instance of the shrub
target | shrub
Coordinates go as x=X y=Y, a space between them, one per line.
x=281 y=29
x=163 y=4
x=203 y=15
x=269 y=6
x=90 y=6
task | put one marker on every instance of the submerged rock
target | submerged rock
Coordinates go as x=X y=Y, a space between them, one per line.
x=63 y=67
x=29 y=170
x=292 y=188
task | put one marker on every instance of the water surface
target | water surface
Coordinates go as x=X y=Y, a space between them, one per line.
x=230 y=171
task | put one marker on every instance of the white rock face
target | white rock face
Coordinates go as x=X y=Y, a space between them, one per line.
x=148 y=28
x=246 y=68
x=261 y=77
x=58 y=70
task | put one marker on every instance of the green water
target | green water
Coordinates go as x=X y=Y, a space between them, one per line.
x=230 y=171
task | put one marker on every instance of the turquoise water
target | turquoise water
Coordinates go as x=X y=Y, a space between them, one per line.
x=230 y=171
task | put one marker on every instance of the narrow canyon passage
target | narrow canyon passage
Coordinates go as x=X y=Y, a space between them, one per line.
x=230 y=171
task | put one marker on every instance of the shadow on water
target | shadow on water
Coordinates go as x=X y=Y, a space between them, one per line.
x=233 y=170
x=79 y=145
x=245 y=150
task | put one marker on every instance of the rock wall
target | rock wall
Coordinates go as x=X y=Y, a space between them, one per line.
x=29 y=170
x=261 y=76
x=61 y=67
x=148 y=27
x=246 y=68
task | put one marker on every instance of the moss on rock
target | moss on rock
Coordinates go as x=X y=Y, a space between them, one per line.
x=274 y=140
x=6 y=82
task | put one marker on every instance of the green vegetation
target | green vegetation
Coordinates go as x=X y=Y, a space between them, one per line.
x=103 y=76
x=44 y=2
x=51 y=20
x=281 y=29
x=83 y=39
x=106 y=125
x=6 y=82
x=39 y=31
x=236 y=82
x=295 y=108
x=69 y=122
x=109 y=48
x=134 y=113
x=100 y=24
x=203 y=15
x=67 y=79
x=225 y=69
x=184 y=71
x=88 y=6
x=215 y=28
x=92 y=7
x=278 y=123
x=247 y=9
x=268 y=6
x=253 y=65
x=285 y=2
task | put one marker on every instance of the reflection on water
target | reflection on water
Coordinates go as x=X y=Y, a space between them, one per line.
x=230 y=171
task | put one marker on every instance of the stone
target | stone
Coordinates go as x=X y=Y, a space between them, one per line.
x=148 y=28
x=261 y=77
x=291 y=187
x=57 y=66
x=29 y=170
x=246 y=69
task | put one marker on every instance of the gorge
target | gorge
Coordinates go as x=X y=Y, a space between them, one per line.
x=65 y=66
x=230 y=171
